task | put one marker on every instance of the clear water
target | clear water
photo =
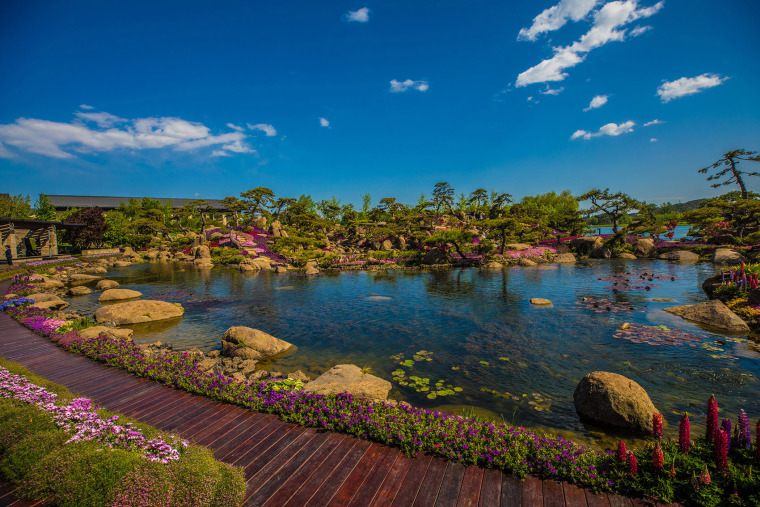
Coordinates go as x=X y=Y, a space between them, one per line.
x=469 y=319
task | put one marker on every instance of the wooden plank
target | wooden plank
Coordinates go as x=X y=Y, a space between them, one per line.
x=215 y=423
x=532 y=491
x=201 y=424
x=149 y=412
x=574 y=496
x=339 y=474
x=490 y=489
x=354 y=480
x=554 y=494
x=376 y=477
x=451 y=485
x=469 y=494
x=216 y=432
x=260 y=454
x=191 y=405
x=239 y=436
x=199 y=410
x=387 y=491
x=333 y=443
x=407 y=492
x=255 y=441
x=303 y=493
x=619 y=501
x=596 y=500
x=148 y=400
x=431 y=484
x=511 y=491
x=284 y=464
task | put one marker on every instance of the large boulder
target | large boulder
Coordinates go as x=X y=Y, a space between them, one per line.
x=96 y=270
x=46 y=301
x=137 y=312
x=626 y=255
x=712 y=313
x=586 y=244
x=565 y=258
x=348 y=378
x=602 y=252
x=83 y=278
x=436 y=256
x=275 y=229
x=121 y=264
x=108 y=332
x=644 y=248
x=679 y=256
x=49 y=283
x=118 y=294
x=202 y=252
x=249 y=343
x=107 y=284
x=727 y=257
x=525 y=262
x=609 y=399
x=386 y=245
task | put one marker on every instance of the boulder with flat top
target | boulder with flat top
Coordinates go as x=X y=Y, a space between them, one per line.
x=349 y=378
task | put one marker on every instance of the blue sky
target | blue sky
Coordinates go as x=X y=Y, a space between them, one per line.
x=380 y=96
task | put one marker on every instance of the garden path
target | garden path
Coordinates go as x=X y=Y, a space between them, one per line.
x=286 y=464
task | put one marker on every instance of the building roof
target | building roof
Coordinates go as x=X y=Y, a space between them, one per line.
x=63 y=202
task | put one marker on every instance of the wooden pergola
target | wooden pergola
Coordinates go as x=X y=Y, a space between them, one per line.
x=30 y=238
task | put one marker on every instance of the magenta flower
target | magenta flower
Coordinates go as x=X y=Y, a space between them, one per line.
x=684 y=434
x=657 y=426
x=633 y=466
x=621 y=452
x=720 y=451
x=712 y=419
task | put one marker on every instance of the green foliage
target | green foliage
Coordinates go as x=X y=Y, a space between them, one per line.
x=76 y=325
x=443 y=197
x=727 y=214
x=728 y=170
x=558 y=211
x=285 y=385
x=15 y=206
x=92 y=231
x=615 y=206
x=44 y=209
x=256 y=200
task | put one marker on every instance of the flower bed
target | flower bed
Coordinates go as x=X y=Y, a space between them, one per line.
x=89 y=460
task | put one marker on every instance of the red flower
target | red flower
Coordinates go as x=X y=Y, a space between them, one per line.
x=712 y=419
x=621 y=452
x=720 y=451
x=633 y=467
x=684 y=434
x=657 y=425
x=657 y=458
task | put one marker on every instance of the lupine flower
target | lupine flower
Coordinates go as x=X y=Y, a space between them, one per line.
x=633 y=466
x=712 y=419
x=657 y=426
x=621 y=452
x=757 y=439
x=657 y=458
x=684 y=434
x=744 y=440
x=705 y=478
x=720 y=451
x=725 y=425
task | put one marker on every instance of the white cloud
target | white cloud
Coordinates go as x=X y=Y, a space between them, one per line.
x=268 y=129
x=654 y=122
x=639 y=30
x=85 y=106
x=235 y=127
x=104 y=120
x=597 y=102
x=59 y=139
x=324 y=122
x=653 y=140
x=556 y=17
x=606 y=28
x=402 y=86
x=220 y=153
x=670 y=90
x=551 y=91
x=611 y=129
x=359 y=16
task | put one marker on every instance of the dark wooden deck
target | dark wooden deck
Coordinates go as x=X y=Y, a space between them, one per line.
x=286 y=464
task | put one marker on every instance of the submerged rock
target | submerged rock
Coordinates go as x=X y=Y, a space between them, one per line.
x=540 y=301
x=79 y=290
x=107 y=284
x=136 y=312
x=348 y=378
x=712 y=313
x=565 y=258
x=679 y=256
x=248 y=343
x=119 y=294
x=609 y=399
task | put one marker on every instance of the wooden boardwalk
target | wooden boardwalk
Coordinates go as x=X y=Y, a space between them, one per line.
x=286 y=464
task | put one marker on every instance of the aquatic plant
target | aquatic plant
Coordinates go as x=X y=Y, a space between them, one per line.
x=604 y=305
x=658 y=335
x=634 y=280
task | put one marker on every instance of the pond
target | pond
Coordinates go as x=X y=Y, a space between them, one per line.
x=472 y=336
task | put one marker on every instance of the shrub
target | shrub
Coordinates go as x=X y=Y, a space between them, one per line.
x=21 y=457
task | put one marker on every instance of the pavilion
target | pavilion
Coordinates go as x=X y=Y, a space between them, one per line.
x=31 y=239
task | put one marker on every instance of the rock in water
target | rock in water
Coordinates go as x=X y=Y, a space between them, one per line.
x=79 y=290
x=107 y=284
x=136 y=312
x=712 y=313
x=644 y=248
x=609 y=399
x=118 y=294
x=680 y=256
x=727 y=257
x=540 y=301
x=565 y=258
x=348 y=378
x=249 y=343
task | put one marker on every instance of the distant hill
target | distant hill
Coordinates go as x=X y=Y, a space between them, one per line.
x=667 y=208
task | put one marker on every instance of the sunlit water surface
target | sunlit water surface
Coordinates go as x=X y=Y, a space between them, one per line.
x=512 y=360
